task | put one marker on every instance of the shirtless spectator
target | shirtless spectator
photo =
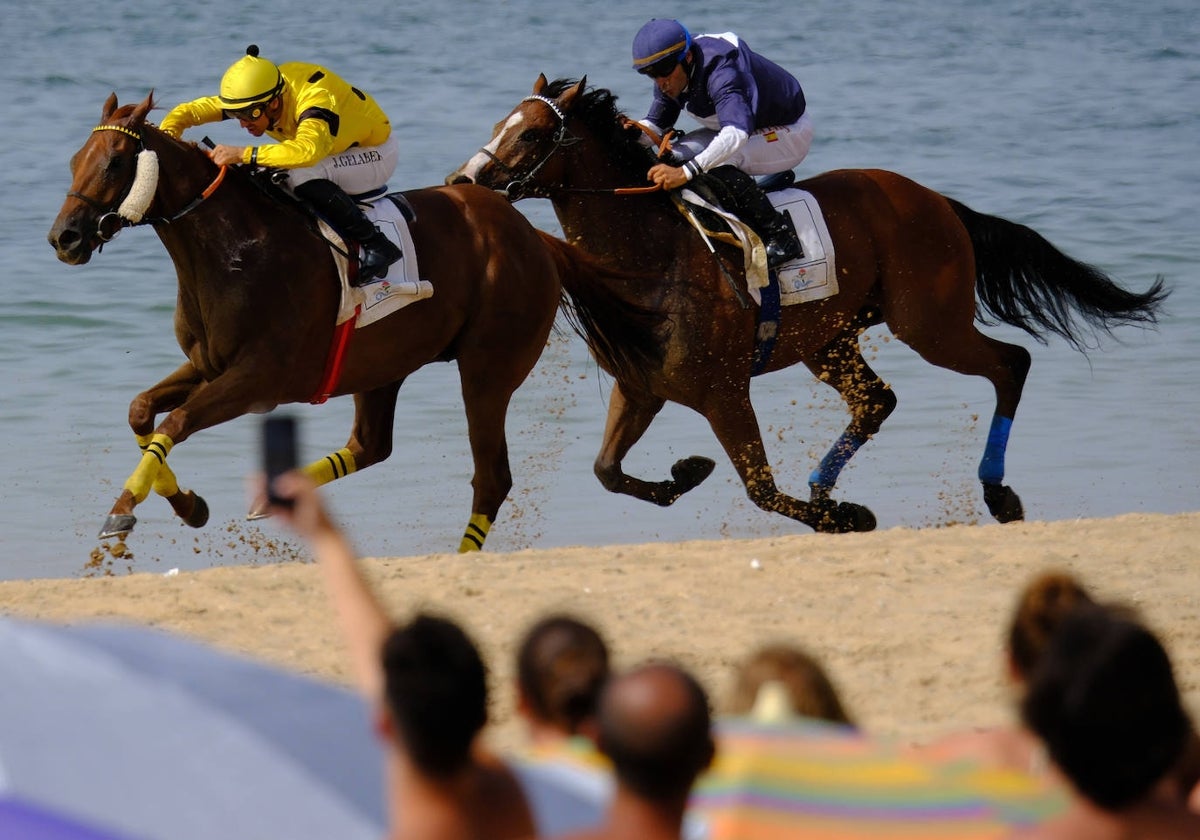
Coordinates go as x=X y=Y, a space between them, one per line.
x=427 y=685
x=655 y=726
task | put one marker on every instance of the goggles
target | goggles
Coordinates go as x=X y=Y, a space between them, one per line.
x=662 y=67
x=250 y=113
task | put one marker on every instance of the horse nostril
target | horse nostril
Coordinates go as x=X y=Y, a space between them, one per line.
x=458 y=178
x=65 y=239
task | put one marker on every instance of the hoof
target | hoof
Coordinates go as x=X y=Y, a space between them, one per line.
x=117 y=525
x=690 y=472
x=843 y=518
x=1003 y=503
x=261 y=509
x=199 y=515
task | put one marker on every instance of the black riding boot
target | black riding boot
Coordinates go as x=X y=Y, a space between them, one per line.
x=751 y=205
x=341 y=211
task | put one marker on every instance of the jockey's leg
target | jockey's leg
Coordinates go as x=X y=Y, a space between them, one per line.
x=343 y=212
x=750 y=203
x=328 y=186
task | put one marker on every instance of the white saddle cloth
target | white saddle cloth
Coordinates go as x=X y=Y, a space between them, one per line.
x=384 y=295
x=813 y=276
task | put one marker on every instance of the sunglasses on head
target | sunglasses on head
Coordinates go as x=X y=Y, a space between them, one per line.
x=662 y=67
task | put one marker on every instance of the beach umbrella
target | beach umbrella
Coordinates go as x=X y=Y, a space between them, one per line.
x=159 y=738
x=22 y=821
x=808 y=779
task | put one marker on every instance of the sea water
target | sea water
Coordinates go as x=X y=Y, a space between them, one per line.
x=1078 y=118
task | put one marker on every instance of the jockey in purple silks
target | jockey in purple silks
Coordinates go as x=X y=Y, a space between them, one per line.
x=753 y=117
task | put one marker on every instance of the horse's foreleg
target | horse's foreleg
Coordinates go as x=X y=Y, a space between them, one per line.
x=207 y=404
x=627 y=421
x=736 y=427
x=153 y=471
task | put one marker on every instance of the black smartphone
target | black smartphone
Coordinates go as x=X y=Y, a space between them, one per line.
x=279 y=451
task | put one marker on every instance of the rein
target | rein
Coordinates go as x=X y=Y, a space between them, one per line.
x=120 y=214
x=562 y=139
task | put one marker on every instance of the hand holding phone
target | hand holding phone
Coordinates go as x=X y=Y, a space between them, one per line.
x=279 y=452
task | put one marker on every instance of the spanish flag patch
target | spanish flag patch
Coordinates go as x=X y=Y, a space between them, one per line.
x=771 y=136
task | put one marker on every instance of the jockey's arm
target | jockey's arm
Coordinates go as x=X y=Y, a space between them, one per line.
x=206 y=109
x=726 y=144
x=313 y=142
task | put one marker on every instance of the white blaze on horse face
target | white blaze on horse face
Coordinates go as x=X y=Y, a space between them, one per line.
x=479 y=160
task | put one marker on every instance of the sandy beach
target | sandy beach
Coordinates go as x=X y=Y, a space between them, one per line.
x=909 y=622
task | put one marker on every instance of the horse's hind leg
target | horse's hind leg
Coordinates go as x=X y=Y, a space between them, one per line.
x=486 y=395
x=840 y=364
x=370 y=442
x=627 y=421
x=737 y=429
x=1005 y=366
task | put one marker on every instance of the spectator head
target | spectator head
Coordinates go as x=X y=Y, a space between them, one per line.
x=1104 y=701
x=562 y=664
x=436 y=693
x=656 y=727
x=1040 y=608
x=783 y=675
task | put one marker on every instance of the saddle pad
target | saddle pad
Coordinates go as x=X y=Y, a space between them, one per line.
x=383 y=296
x=812 y=277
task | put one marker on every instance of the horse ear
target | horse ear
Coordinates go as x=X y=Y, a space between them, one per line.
x=568 y=98
x=110 y=105
x=139 y=113
x=540 y=84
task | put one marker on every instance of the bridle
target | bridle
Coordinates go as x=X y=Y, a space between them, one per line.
x=562 y=139
x=119 y=214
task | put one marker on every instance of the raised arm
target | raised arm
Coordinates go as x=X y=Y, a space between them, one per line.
x=364 y=622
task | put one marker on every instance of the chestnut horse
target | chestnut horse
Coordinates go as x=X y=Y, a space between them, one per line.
x=922 y=263
x=258 y=298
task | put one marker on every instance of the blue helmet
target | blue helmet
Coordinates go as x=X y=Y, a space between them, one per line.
x=660 y=41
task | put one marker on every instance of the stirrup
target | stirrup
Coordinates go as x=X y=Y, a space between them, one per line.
x=782 y=242
x=373 y=262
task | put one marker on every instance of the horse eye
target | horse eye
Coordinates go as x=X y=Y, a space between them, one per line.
x=529 y=135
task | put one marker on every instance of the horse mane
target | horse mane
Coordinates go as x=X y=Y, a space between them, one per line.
x=597 y=109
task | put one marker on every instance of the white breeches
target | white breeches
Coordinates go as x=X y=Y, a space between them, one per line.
x=359 y=169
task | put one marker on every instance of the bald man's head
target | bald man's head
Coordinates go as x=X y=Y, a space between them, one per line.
x=656 y=727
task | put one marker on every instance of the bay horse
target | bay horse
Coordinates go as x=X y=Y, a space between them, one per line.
x=258 y=295
x=925 y=265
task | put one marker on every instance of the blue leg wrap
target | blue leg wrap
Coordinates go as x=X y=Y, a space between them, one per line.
x=991 y=468
x=826 y=475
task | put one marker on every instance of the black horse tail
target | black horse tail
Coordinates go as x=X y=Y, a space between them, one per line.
x=1023 y=280
x=624 y=336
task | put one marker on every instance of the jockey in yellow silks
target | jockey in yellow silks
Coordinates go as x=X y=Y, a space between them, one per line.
x=334 y=140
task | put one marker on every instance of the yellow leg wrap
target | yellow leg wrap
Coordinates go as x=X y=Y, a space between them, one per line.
x=165 y=483
x=476 y=533
x=154 y=458
x=332 y=467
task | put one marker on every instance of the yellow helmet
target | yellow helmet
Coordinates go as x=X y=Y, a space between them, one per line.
x=250 y=81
